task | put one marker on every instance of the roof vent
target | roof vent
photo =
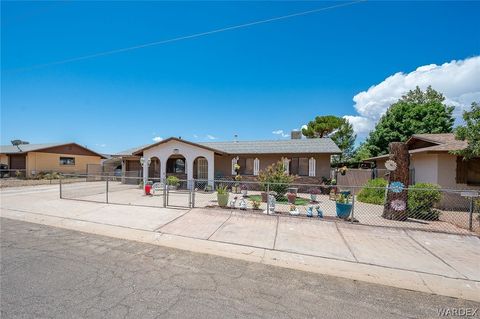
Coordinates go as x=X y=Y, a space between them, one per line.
x=296 y=135
x=235 y=138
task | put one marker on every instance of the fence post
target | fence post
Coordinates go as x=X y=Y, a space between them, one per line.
x=268 y=198
x=189 y=194
x=353 y=207
x=60 y=183
x=470 y=217
x=164 y=194
x=193 y=198
x=106 y=190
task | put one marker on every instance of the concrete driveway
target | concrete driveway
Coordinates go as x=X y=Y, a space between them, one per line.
x=432 y=262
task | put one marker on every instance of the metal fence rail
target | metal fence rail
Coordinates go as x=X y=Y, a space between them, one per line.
x=441 y=210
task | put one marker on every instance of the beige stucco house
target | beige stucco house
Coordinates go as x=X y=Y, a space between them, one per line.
x=307 y=159
x=432 y=162
x=31 y=159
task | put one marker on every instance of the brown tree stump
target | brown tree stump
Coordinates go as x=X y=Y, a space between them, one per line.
x=395 y=207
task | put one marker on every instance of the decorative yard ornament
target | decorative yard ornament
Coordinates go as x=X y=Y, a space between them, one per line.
x=391 y=165
x=319 y=212
x=398 y=205
x=243 y=204
x=272 y=202
x=233 y=202
x=310 y=211
x=398 y=178
x=396 y=187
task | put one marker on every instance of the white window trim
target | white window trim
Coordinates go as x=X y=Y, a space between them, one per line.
x=234 y=162
x=311 y=166
x=256 y=166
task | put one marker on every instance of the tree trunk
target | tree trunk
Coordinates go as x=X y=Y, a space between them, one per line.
x=395 y=207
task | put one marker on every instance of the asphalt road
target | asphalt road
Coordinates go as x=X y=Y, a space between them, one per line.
x=50 y=272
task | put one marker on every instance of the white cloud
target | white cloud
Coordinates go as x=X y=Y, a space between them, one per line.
x=458 y=80
x=280 y=132
x=211 y=137
x=157 y=139
x=101 y=145
x=195 y=136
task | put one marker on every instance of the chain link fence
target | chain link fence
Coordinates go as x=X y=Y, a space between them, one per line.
x=441 y=210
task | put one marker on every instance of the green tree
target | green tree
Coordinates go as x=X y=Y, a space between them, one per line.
x=322 y=126
x=470 y=132
x=361 y=153
x=416 y=112
x=344 y=137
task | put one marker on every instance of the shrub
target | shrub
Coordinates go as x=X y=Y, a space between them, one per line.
x=374 y=192
x=173 y=181
x=276 y=176
x=421 y=199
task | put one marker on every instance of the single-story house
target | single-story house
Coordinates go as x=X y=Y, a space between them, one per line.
x=308 y=159
x=432 y=162
x=31 y=159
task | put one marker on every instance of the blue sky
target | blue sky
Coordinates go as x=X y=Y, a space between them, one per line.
x=250 y=81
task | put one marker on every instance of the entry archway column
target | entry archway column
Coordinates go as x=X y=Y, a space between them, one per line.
x=189 y=163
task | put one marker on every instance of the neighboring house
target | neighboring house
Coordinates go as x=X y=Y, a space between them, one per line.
x=432 y=162
x=309 y=159
x=57 y=157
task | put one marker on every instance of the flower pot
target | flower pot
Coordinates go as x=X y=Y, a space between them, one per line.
x=294 y=212
x=172 y=187
x=343 y=210
x=222 y=199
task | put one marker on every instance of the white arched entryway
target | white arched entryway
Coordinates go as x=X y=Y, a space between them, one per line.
x=175 y=149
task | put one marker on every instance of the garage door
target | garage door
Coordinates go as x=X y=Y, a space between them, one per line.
x=18 y=161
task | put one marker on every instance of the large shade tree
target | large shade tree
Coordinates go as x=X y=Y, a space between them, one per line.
x=337 y=128
x=322 y=126
x=416 y=112
x=470 y=132
x=344 y=137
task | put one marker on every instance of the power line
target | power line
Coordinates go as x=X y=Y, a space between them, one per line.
x=185 y=37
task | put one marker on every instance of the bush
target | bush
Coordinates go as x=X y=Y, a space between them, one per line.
x=421 y=199
x=173 y=181
x=275 y=174
x=375 y=194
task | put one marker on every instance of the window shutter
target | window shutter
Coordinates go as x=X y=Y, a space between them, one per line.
x=256 y=166
x=311 y=166
x=461 y=177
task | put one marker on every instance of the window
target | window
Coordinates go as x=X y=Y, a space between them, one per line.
x=248 y=166
x=176 y=165
x=67 y=160
x=299 y=166
x=473 y=172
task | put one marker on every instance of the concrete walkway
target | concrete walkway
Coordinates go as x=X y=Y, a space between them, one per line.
x=429 y=262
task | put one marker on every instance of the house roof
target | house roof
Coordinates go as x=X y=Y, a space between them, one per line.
x=444 y=142
x=141 y=149
x=25 y=148
x=130 y=151
x=310 y=145
x=314 y=145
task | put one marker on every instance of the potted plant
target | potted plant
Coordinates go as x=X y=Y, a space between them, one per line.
x=222 y=195
x=313 y=194
x=244 y=190
x=343 y=170
x=236 y=186
x=343 y=205
x=173 y=182
x=291 y=197
x=294 y=210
